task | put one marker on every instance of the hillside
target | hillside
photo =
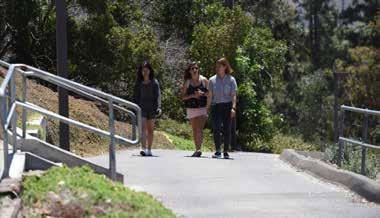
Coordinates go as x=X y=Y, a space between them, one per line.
x=82 y=142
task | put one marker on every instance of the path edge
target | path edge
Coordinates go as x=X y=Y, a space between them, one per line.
x=365 y=187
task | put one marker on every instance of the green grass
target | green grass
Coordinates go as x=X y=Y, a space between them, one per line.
x=81 y=192
x=182 y=135
x=184 y=144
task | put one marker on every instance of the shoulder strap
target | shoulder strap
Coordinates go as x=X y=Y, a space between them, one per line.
x=203 y=81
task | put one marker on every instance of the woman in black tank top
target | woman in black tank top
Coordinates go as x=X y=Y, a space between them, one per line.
x=194 y=95
x=147 y=95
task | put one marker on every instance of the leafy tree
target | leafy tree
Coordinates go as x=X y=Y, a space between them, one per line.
x=254 y=120
x=362 y=83
x=222 y=31
x=261 y=59
x=321 y=17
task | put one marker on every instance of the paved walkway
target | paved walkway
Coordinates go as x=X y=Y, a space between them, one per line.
x=251 y=185
x=1 y=157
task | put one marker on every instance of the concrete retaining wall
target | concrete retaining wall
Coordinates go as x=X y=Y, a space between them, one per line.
x=367 y=188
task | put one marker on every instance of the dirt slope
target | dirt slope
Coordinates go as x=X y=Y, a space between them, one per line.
x=82 y=142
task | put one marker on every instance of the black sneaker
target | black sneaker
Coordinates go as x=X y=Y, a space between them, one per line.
x=217 y=155
x=226 y=155
x=197 y=154
x=142 y=153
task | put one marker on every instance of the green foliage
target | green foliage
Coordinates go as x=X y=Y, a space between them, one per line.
x=172 y=104
x=363 y=69
x=107 y=40
x=279 y=142
x=222 y=31
x=254 y=119
x=352 y=159
x=315 y=105
x=261 y=59
x=111 y=44
x=322 y=17
x=81 y=186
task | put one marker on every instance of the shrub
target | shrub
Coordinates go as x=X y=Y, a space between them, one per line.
x=352 y=159
x=254 y=120
x=172 y=105
x=280 y=142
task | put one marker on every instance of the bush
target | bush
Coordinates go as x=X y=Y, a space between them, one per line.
x=280 y=142
x=255 y=122
x=352 y=159
x=172 y=105
x=220 y=34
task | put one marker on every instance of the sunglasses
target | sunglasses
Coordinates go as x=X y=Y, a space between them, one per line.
x=194 y=68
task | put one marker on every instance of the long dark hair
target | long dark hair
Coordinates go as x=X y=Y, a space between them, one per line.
x=139 y=76
x=187 y=74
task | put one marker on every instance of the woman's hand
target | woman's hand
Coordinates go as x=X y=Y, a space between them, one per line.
x=233 y=113
x=198 y=94
x=158 y=113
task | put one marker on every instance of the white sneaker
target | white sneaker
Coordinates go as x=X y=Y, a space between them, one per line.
x=143 y=152
x=148 y=152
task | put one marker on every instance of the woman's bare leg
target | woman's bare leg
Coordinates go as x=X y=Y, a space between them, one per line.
x=193 y=122
x=144 y=133
x=150 y=132
x=200 y=123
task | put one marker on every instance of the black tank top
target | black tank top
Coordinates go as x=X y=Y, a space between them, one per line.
x=194 y=102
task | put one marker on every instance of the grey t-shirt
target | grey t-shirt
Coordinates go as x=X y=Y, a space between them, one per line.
x=222 y=88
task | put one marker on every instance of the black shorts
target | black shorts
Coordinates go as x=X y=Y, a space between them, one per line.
x=149 y=115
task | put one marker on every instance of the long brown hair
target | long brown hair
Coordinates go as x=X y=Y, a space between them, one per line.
x=139 y=76
x=223 y=61
x=187 y=74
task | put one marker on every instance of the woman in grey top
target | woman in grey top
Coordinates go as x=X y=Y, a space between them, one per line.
x=222 y=102
x=147 y=95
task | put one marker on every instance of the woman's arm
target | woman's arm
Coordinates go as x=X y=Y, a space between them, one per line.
x=209 y=95
x=157 y=95
x=183 y=92
x=136 y=93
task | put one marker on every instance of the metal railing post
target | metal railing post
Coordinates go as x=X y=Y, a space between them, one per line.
x=3 y=114
x=23 y=99
x=14 y=117
x=364 y=149
x=112 y=158
x=340 y=142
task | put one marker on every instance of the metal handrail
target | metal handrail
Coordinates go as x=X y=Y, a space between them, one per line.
x=9 y=118
x=364 y=143
x=360 y=110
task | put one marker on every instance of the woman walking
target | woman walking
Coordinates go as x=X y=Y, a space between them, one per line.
x=147 y=95
x=194 y=94
x=222 y=102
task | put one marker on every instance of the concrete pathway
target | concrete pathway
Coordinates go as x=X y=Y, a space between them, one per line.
x=250 y=185
x=1 y=158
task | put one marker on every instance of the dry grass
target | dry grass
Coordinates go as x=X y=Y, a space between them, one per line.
x=82 y=142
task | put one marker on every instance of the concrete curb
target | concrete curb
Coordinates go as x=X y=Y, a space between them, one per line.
x=365 y=187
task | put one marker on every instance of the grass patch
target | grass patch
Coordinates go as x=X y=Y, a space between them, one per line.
x=280 y=142
x=184 y=144
x=79 y=192
x=181 y=135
